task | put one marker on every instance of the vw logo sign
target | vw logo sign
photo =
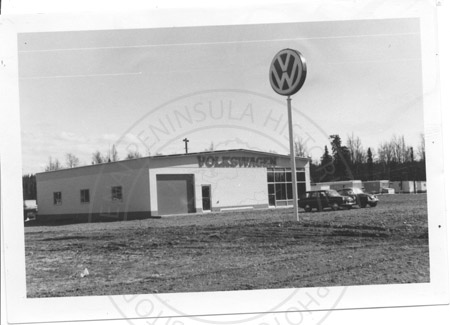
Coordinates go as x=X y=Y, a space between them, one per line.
x=287 y=72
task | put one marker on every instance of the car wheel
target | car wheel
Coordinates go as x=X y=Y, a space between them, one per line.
x=373 y=205
x=335 y=206
x=307 y=208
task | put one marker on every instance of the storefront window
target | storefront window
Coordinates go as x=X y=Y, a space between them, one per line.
x=280 y=185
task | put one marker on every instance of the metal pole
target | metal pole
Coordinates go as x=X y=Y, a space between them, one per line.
x=186 y=144
x=293 y=164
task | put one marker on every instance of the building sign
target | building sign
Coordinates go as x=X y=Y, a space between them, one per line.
x=287 y=72
x=231 y=162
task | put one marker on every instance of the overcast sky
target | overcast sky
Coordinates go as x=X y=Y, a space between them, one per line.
x=150 y=88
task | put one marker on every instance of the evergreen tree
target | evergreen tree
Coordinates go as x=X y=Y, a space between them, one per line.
x=326 y=169
x=341 y=158
x=29 y=187
x=326 y=158
x=369 y=162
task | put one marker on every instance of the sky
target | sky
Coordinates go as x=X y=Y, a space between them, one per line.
x=148 y=89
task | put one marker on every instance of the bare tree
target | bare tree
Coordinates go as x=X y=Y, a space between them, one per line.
x=113 y=154
x=357 y=154
x=72 y=160
x=300 y=148
x=211 y=147
x=97 y=158
x=385 y=152
x=421 y=147
x=53 y=165
x=400 y=150
x=133 y=155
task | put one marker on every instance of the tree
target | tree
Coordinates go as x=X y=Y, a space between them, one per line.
x=133 y=155
x=369 y=163
x=341 y=158
x=355 y=149
x=326 y=170
x=399 y=149
x=411 y=154
x=113 y=154
x=72 y=160
x=211 y=147
x=326 y=158
x=53 y=165
x=97 y=158
x=421 y=148
x=385 y=152
x=29 y=187
x=300 y=148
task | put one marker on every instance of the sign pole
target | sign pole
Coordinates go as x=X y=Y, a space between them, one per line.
x=287 y=75
x=293 y=163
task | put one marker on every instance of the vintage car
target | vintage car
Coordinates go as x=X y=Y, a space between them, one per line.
x=361 y=198
x=325 y=199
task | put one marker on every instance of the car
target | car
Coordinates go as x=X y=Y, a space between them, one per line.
x=362 y=199
x=325 y=199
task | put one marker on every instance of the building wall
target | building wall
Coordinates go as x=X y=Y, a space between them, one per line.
x=230 y=187
x=338 y=185
x=408 y=186
x=99 y=179
x=375 y=186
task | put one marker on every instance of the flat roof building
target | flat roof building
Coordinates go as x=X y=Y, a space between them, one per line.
x=170 y=185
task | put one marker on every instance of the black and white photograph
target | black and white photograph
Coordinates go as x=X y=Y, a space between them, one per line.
x=233 y=168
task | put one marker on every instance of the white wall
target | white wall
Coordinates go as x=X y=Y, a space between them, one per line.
x=134 y=182
x=230 y=187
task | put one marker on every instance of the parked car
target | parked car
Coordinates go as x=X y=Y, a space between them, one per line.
x=325 y=199
x=362 y=199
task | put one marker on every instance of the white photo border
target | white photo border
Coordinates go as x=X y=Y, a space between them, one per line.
x=214 y=303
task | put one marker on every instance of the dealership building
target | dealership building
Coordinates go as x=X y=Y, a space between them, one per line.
x=170 y=185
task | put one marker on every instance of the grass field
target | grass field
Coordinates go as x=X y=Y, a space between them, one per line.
x=255 y=249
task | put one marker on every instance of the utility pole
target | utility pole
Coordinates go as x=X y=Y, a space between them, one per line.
x=186 y=144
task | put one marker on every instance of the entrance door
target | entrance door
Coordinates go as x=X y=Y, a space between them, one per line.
x=175 y=194
x=206 y=197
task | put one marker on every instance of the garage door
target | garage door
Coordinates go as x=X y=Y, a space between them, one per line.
x=175 y=194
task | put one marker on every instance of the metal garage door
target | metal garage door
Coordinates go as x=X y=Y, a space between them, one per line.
x=175 y=194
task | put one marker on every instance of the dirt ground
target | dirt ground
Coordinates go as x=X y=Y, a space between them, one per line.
x=254 y=249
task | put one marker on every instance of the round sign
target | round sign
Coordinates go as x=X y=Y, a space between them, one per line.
x=287 y=72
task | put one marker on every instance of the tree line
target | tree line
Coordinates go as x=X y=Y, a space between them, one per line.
x=393 y=160
x=97 y=157
x=71 y=161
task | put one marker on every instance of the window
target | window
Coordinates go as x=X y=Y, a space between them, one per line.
x=57 y=198
x=116 y=193
x=84 y=196
x=279 y=181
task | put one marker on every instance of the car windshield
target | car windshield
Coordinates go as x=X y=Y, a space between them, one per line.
x=357 y=190
x=332 y=193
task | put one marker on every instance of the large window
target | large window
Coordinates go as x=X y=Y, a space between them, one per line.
x=116 y=193
x=279 y=182
x=57 y=198
x=84 y=196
